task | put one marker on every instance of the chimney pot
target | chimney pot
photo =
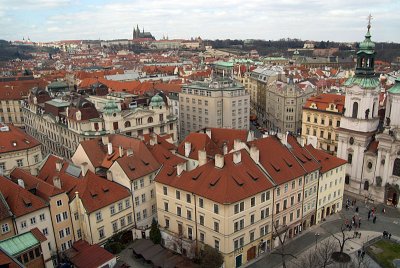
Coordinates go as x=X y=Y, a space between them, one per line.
x=129 y=152
x=180 y=168
x=188 y=148
x=57 y=182
x=255 y=154
x=121 y=151
x=219 y=161
x=153 y=139
x=58 y=166
x=109 y=148
x=237 y=157
x=202 y=157
x=105 y=140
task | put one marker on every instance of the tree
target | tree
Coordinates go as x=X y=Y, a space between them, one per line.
x=320 y=257
x=280 y=232
x=210 y=258
x=342 y=238
x=155 y=234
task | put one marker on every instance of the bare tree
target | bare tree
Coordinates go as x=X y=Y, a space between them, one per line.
x=280 y=232
x=342 y=238
x=324 y=252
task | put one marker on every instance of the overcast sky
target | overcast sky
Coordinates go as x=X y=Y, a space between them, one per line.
x=338 y=20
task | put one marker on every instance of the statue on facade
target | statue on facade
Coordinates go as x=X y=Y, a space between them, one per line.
x=366 y=113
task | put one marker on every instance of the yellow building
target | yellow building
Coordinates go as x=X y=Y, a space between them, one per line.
x=330 y=182
x=225 y=203
x=321 y=118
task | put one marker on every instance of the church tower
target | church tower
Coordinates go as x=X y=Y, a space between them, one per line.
x=360 y=119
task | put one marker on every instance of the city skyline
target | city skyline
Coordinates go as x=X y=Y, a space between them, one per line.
x=53 y=20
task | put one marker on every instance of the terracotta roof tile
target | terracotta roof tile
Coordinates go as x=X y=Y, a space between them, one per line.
x=324 y=100
x=326 y=160
x=15 y=139
x=84 y=255
x=303 y=156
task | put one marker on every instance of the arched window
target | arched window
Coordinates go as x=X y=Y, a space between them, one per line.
x=396 y=167
x=373 y=110
x=366 y=185
x=150 y=120
x=349 y=158
x=127 y=124
x=355 y=110
x=347 y=179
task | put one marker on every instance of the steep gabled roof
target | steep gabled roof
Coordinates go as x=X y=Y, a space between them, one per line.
x=20 y=200
x=326 y=160
x=221 y=136
x=199 y=141
x=226 y=185
x=303 y=156
x=15 y=139
x=277 y=160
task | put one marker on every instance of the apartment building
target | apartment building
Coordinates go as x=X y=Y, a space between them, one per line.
x=321 y=117
x=330 y=182
x=220 y=103
x=6 y=220
x=18 y=149
x=99 y=208
x=29 y=212
x=225 y=203
x=58 y=203
x=61 y=125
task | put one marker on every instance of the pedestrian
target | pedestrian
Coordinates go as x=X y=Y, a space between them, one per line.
x=369 y=214
x=362 y=254
x=357 y=209
x=359 y=253
x=390 y=235
x=383 y=210
x=374 y=220
x=347 y=206
x=359 y=222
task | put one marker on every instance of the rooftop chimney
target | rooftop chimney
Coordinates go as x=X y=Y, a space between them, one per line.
x=129 y=152
x=219 y=161
x=58 y=166
x=84 y=168
x=121 y=151
x=105 y=140
x=188 y=148
x=153 y=139
x=237 y=157
x=57 y=182
x=202 y=157
x=208 y=132
x=180 y=168
x=225 y=148
x=109 y=148
x=238 y=144
x=21 y=183
x=109 y=175
x=255 y=154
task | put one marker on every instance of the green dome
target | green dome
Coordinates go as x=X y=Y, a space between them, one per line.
x=157 y=100
x=367 y=45
x=110 y=108
x=396 y=88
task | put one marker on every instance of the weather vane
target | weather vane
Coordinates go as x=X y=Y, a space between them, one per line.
x=369 y=21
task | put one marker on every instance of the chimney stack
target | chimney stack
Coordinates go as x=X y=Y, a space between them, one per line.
x=109 y=175
x=153 y=139
x=202 y=157
x=121 y=151
x=208 y=132
x=237 y=157
x=180 y=168
x=109 y=148
x=237 y=145
x=219 y=161
x=255 y=154
x=225 y=148
x=105 y=140
x=21 y=183
x=84 y=168
x=188 y=148
x=129 y=152
x=58 y=166
x=57 y=182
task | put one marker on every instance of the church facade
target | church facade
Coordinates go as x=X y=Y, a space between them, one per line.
x=370 y=144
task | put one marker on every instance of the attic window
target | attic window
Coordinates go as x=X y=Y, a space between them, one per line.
x=14 y=143
x=93 y=193
x=288 y=163
x=254 y=177
x=27 y=202
x=145 y=162
x=214 y=181
x=238 y=180
x=105 y=189
x=111 y=156
x=277 y=169
x=166 y=156
x=131 y=166
x=170 y=172
x=306 y=156
x=197 y=176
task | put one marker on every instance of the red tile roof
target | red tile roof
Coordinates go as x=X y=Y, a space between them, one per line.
x=326 y=160
x=15 y=139
x=20 y=200
x=277 y=160
x=226 y=185
x=95 y=192
x=84 y=255
x=8 y=261
x=161 y=140
x=38 y=234
x=324 y=100
x=221 y=136
x=5 y=211
x=43 y=189
x=199 y=141
x=303 y=156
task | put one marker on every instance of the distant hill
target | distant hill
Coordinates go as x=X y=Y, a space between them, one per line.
x=9 y=51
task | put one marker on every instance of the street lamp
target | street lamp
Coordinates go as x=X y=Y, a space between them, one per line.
x=316 y=239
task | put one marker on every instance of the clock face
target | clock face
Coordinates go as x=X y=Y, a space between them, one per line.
x=351 y=141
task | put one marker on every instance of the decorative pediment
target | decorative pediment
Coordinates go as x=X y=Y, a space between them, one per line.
x=138 y=113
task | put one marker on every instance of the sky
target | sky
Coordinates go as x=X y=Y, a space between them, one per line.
x=338 y=20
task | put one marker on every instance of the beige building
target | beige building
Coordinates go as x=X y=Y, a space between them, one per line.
x=235 y=217
x=6 y=220
x=58 y=203
x=330 y=183
x=220 y=103
x=321 y=118
x=61 y=125
x=99 y=208
x=18 y=149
